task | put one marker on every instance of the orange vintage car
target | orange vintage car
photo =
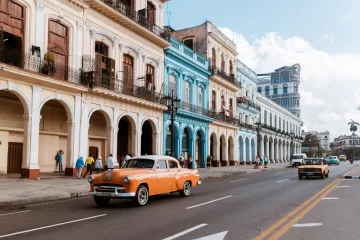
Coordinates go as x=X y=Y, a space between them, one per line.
x=143 y=177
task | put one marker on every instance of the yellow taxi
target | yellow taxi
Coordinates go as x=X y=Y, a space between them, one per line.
x=314 y=167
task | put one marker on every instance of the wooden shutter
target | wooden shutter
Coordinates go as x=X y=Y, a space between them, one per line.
x=110 y=65
x=14 y=157
x=12 y=17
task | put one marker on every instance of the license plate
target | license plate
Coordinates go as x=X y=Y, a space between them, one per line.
x=310 y=174
x=103 y=194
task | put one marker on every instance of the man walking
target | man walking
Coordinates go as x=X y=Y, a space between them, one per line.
x=79 y=165
x=265 y=161
x=59 y=157
x=88 y=162
x=110 y=164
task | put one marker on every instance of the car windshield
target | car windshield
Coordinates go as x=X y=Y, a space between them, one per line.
x=332 y=157
x=140 y=163
x=297 y=157
x=312 y=162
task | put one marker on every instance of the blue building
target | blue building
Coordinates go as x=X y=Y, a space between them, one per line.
x=187 y=74
x=248 y=112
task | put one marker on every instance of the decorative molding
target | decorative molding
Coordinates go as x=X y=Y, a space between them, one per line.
x=80 y=25
x=39 y=6
x=116 y=40
x=88 y=26
x=10 y=85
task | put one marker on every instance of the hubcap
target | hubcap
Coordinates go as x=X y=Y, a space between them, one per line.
x=143 y=196
x=187 y=188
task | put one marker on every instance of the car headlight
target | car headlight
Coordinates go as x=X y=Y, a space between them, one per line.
x=91 y=179
x=301 y=170
x=126 y=179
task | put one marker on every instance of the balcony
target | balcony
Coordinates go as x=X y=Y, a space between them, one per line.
x=243 y=100
x=230 y=78
x=247 y=126
x=194 y=109
x=131 y=19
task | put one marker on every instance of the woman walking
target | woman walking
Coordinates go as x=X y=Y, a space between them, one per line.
x=98 y=164
x=79 y=166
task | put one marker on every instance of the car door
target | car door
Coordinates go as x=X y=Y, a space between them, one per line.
x=174 y=169
x=164 y=177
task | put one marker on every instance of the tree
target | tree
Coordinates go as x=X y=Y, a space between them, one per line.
x=311 y=141
x=353 y=125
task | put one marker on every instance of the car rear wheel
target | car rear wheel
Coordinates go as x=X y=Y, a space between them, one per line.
x=101 y=201
x=142 y=196
x=186 y=190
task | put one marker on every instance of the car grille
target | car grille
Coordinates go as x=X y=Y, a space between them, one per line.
x=109 y=189
x=310 y=169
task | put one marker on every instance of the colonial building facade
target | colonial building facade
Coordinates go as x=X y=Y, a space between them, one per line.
x=323 y=137
x=279 y=135
x=212 y=44
x=187 y=77
x=248 y=112
x=80 y=76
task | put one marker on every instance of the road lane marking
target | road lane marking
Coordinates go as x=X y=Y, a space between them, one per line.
x=348 y=179
x=342 y=186
x=330 y=198
x=5 y=214
x=215 y=200
x=307 y=224
x=217 y=236
x=283 y=180
x=240 y=180
x=279 y=172
x=186 y=231
x=51 y=226
x=276 y=225
x=303 y=212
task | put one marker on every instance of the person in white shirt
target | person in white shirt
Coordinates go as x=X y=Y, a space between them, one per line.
x=98 y=164
x=110 y=164
x=127 y=158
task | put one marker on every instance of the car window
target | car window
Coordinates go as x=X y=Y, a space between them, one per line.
x=139 y=163
x=172 y=164
x=162 y=164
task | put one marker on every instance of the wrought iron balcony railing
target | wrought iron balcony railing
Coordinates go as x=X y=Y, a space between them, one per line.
x=137 y=17
x=194 y=109
x=230 y=78
x=242 y=100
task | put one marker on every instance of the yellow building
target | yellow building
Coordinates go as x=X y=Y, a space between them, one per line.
x=79 y=76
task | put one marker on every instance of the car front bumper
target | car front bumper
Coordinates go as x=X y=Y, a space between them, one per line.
x=310 y=173
x=112 y=192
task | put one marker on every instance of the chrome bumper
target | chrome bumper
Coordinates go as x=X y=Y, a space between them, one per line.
x=111 y=191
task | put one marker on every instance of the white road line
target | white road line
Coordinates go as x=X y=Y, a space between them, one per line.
x=347 y=173
x=240 y=180
x=348 y=179
x=330 y=198
x=185 y=232
x=201 y=204
x=279 y=172
x=342 y=186
x=283 y=180
x=50 y=226
x=5 y=214
x=307 y=224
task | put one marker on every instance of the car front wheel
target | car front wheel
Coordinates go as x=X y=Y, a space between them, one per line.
x=186 y=190
x=101 y=201
x=300 y=177
x=142 y=196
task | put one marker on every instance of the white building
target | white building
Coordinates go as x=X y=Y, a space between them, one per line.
x=345 y=141
x=280 y=129
x=324 y=138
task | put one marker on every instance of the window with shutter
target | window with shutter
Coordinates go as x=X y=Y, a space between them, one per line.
x=172 y=85
x=213 y=58
x=222 y=63
x=200 y=98
x=187 y=92
x=223 y=108
x=213 y=99
x=151 y=12
x=127 y=81
x=150 y=85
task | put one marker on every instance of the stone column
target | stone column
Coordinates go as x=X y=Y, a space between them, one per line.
x=268 y=148
x=261 y=142
x=280 y=152
x=79 y=45
x=69 y=161
x=272 y=157
x=26 y=141
x=225 y=152
x=244 y=151
x=285 y=153
x=39 y=25
x=84 y=131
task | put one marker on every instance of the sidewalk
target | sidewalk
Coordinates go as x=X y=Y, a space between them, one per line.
x=52 y=186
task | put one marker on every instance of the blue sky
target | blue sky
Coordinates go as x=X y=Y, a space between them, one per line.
x=321 y=35
x=312 y=20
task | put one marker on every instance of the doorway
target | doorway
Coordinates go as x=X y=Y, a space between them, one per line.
x=14 y=157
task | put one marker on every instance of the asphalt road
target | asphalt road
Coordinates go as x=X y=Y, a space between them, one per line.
x=239 y=207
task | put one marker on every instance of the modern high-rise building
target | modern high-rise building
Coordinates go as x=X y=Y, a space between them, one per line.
x=282 y=86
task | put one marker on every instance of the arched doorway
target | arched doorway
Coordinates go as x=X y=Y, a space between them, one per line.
x=99 y=135
x=231 y=158
x=55 y=133
x=241 y=149
x=271 y=148
x=147 y=141
x=223 y=150
x=13 y=147
x=214 y=149
x=247 y=149
x=200 y=149
x=266 y=150
x=253 y=150
x=168 y=141
x=185 y=144
x=126 y=137
x=276 y=150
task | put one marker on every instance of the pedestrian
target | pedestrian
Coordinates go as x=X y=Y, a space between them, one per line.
x=261 y=163
x=208 y=162
x=88 y=162
x=265 y=161
x=182 y=160
x=256 y=162
x=109 y=161
x=57 y=161
x=98 y=165
x=60 y=157
x=127 y=158
x=79 y=166
x=190 y=162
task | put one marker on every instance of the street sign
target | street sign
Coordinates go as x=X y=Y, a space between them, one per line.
x=216 y=236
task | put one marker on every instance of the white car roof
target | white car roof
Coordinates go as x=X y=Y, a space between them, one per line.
x=154 y=157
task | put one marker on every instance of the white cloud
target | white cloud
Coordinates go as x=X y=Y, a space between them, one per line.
x=329 y=87
x=329 y=39
x=347 y=15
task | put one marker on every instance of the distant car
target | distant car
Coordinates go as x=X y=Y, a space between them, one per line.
x=297 y=159
x=143 y=177
x=342 y=157
x=333 y=160
x=314 y=167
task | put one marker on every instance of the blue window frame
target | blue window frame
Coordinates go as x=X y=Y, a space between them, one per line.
x=267 y=91
x=275 y=90
x=285 y=88
x=275 y=80
x=285 y=79
x=285 y=103
x=259 y=90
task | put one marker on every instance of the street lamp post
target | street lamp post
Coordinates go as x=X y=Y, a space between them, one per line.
x=172 y=103
x=258 y=129
x=353 y=156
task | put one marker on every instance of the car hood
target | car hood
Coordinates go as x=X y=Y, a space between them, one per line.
x=119 y=174
x=310 y=166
